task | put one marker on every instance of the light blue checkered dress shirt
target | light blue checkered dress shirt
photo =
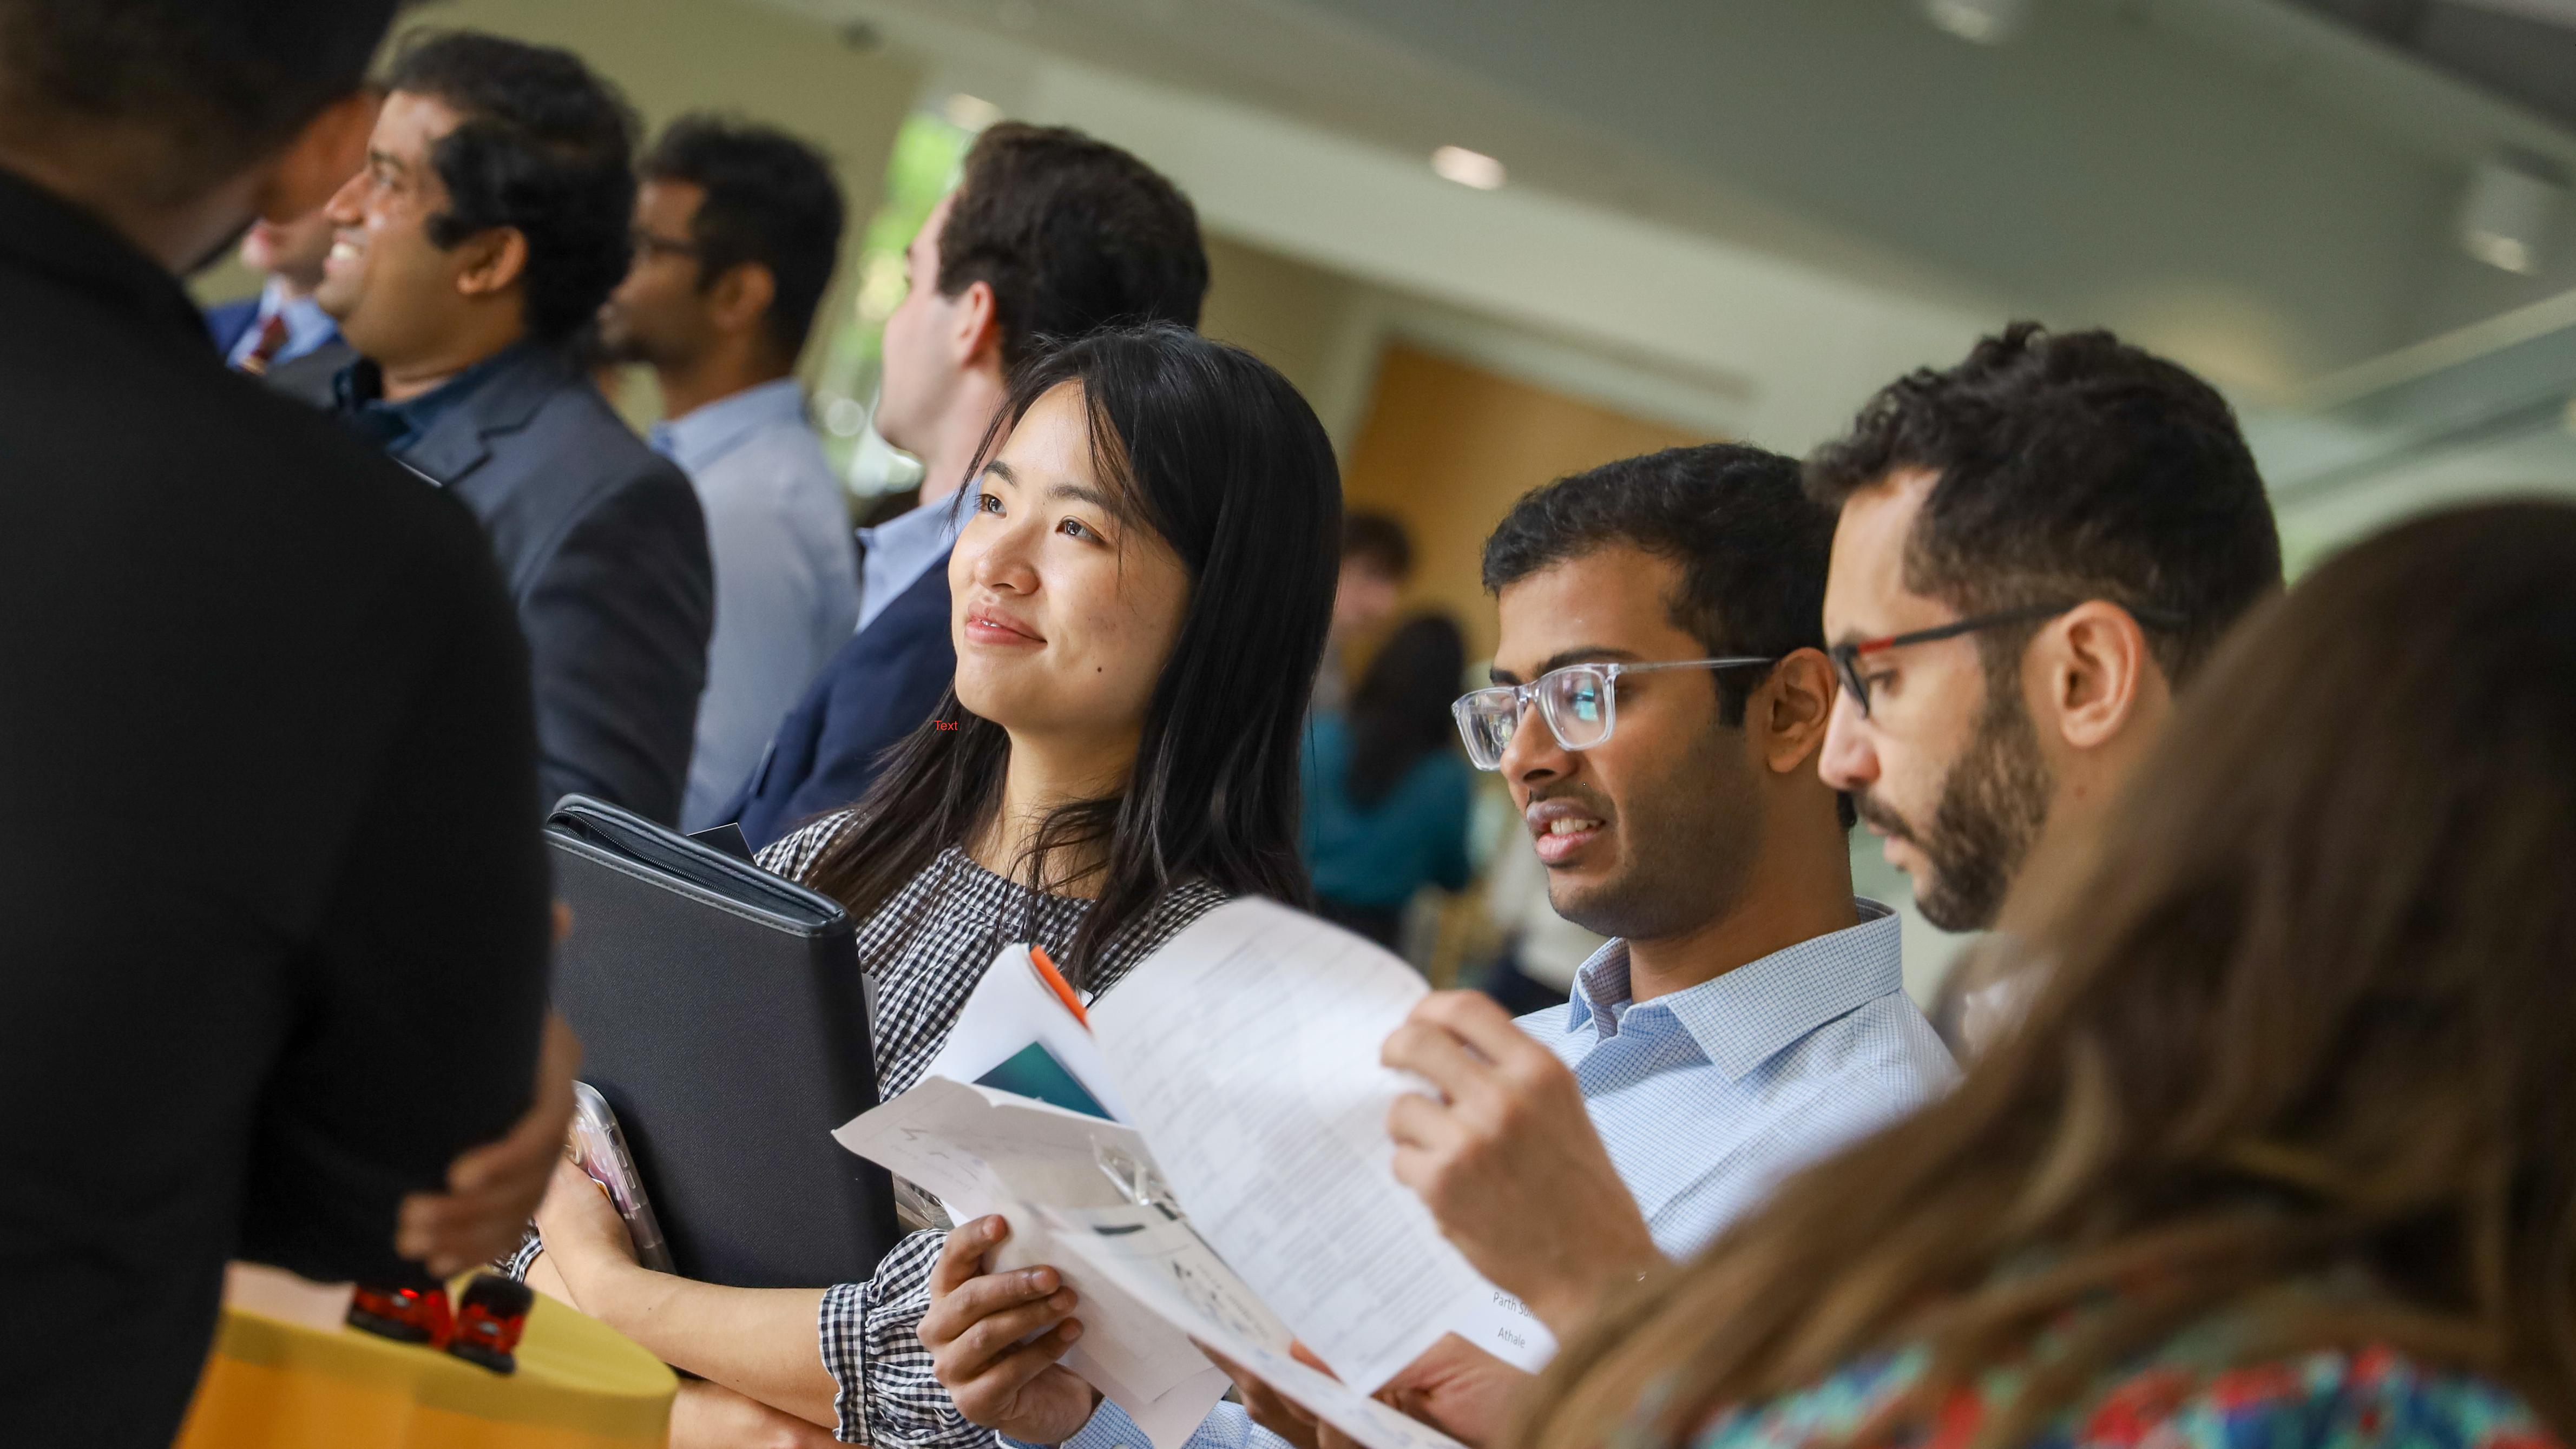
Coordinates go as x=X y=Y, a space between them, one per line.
x=1708 y=1097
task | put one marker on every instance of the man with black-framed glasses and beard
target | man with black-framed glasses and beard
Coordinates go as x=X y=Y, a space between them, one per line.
x=2035 y=549
x=1660 y=693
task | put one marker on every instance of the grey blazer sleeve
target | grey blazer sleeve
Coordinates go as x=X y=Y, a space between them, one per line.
x=617 y=623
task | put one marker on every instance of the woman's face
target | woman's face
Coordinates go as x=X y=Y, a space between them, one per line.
x=1064 y=609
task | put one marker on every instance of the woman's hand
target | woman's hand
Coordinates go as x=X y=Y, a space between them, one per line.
x=974 y=1330
x=711 y=1416
x=586 y=1240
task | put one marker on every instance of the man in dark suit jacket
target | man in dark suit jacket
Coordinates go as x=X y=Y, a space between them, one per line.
x=1049 y=233
x=880 y=686
x=466 y=254
x=276 y=928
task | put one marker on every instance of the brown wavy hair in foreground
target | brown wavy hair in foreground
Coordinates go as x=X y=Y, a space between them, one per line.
x=2311 y=1016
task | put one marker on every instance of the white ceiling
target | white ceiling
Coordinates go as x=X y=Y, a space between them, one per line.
x=1796 y=193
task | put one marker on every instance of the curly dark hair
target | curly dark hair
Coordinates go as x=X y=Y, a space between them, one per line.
x=545 y=147
x=1072 y=234
x=218 y=84
x=770 y=201
x=2072 y=466
x=1752 y=546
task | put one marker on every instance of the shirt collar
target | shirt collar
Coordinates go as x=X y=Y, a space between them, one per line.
x=307 y=325
x=1743 y=1018
x=921 y=533
x=705 y=433
x=360 y=389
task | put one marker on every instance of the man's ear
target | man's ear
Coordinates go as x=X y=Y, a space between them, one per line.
x=741 y=297
x=322 y=157
x=2096 y=670
x=491 y=262
x=975 y=331
x=1796 y=704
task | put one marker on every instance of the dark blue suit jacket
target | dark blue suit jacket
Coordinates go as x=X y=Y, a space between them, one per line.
x=227 y=321
x=605 y=552
x=879 y=688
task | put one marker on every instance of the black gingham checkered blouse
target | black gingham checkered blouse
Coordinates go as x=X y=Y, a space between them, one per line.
x=925 y=949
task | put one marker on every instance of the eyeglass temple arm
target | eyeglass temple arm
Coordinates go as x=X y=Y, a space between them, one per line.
x=1732 y=661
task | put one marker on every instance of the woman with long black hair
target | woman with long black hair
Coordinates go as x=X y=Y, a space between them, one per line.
x=1388 y=796
x=1141 y=590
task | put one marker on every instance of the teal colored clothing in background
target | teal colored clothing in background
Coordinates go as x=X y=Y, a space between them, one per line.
x=1378 y=857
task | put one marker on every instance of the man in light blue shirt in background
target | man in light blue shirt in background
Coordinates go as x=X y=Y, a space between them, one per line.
x=281 y=322
x=1659 y=696
x=896 y=553
x=737 y=229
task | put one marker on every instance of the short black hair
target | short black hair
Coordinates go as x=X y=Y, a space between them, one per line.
x=1753 y=548
x=544 y=146
x=218 y=84
x=2071 y=465
x=1072 y=234
x=1380 y=541
x=770 y=200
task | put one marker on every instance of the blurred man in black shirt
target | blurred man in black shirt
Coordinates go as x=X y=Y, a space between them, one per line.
x=275 y=932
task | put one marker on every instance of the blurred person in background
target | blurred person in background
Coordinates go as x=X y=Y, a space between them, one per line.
x=1377 y=558
x=1660 y=693
x=1388 y=798
x=2036 y=548
x=282 y=322
x=1141 y=592
x=494 y=215
x=2282 y=1152
x=1049 y=234
x=737 y=232
x=265 y=750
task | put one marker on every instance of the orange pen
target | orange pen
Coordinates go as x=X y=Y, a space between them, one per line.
x=1055 y=981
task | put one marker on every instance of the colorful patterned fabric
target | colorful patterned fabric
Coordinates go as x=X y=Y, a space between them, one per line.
x=2189 y=1396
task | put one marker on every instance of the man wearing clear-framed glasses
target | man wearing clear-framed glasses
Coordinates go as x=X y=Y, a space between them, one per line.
x=1660 y=693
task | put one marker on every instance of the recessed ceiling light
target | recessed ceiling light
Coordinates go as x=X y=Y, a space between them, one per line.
x=1987 y=22
x=972 y=113
x=2506 y=216
x=1468 y=168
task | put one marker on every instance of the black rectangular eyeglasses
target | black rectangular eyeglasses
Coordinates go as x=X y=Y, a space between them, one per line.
x=1847 y=657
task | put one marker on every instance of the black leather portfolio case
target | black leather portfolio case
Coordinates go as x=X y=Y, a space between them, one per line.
x=722 y=1015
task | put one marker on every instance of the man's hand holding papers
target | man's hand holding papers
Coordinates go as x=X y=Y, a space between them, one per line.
x=1457 y=1388
x=1508 y=1162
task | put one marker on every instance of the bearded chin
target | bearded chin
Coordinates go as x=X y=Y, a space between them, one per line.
x=1992 y=807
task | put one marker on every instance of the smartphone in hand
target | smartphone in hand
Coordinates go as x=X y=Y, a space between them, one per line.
x=599 y=1148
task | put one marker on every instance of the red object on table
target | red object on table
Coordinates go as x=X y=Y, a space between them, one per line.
x=489 y=1319
x=407 y=1315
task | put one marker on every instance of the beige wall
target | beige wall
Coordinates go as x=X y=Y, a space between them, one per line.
x=1319 y=328
x=671 y=56
x=1448 y=448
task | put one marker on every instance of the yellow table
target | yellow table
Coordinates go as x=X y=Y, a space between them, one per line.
x=275 y=1383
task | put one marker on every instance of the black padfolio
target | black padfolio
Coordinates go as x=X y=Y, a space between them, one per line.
x=722 y=1015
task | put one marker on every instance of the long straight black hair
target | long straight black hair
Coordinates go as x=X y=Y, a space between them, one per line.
x=1216 y=453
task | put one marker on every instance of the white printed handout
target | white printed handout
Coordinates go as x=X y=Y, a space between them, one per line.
x=1244 y=1195
x=1146 y=1278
